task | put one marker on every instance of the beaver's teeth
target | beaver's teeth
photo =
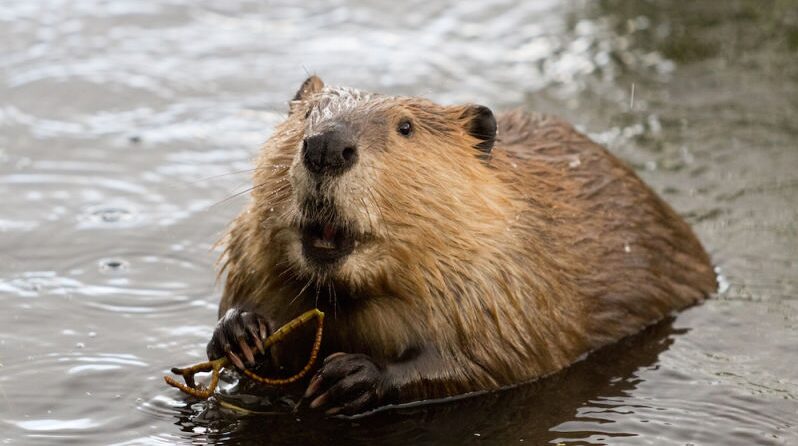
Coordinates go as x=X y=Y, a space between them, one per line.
x=323 y=244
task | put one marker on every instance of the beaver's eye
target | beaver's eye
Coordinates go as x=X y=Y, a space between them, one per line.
x=405 y=128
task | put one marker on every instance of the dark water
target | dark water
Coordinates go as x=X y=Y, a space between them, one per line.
x=122 y=124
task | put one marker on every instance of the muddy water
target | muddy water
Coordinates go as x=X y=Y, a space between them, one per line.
x=126 y=125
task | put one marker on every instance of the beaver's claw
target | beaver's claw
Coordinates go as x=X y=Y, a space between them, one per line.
x=345 y=384
x=238 y=335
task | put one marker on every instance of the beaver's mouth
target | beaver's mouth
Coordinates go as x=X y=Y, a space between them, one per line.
x=325 y=243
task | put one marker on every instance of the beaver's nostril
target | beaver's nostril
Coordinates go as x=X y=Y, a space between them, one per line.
x=331 y=152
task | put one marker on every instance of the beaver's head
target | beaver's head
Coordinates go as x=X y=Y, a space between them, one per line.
x=357 y=187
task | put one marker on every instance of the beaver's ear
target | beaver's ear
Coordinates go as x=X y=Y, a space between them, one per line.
x=481 y=124
x=313 y=84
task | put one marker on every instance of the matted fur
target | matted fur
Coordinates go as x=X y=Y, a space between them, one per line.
x=472 y=273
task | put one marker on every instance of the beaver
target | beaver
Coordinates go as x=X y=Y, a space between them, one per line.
x=454 y=251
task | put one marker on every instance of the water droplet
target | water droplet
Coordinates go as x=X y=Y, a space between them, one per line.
x=111 y=215
x=113 y=265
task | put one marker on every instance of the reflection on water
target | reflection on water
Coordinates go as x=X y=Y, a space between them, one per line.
x=125 y=126
x=537 y=407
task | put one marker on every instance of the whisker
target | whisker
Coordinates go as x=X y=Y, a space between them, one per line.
x=366 y=207
x=288 y=271
x=335 y=303
x=238 y=194
x=330 y=299
x=301 y=291
x=250 y=189
x=213 y=177
x=236 y=172
x=377 y=205
x=318 y=285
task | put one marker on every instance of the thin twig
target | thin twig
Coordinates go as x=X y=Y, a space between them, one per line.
x=215 y=367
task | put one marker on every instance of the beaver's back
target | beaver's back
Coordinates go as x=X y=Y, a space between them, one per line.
x=638 y=260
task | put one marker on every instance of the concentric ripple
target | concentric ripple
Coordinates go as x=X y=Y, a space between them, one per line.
x=127 y=128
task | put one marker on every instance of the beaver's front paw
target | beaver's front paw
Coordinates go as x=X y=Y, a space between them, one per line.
x=238 y=335
x=345 y=384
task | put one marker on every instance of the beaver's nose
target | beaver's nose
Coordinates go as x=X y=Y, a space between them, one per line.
x=331 y=152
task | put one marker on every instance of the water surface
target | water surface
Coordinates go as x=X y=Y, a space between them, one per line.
x=126 y=125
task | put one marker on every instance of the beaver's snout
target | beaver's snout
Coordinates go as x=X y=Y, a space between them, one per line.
x=331 y=152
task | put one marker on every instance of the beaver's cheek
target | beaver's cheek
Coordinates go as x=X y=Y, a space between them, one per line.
x=300 y=183
x=301 y=180
x=289 y=246
x=364 y=265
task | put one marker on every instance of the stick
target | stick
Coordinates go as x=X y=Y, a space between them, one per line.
x=216 y=366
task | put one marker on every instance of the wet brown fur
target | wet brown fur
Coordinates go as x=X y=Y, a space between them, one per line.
x=481 y=273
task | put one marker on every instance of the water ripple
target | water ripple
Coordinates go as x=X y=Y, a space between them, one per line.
x=123 y=123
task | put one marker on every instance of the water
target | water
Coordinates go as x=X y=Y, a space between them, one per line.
x=123 y=123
